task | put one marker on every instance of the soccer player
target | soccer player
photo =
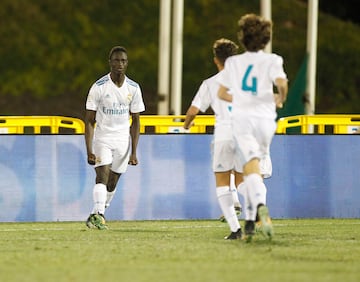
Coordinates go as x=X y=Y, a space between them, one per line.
x=110 y=144
x=234 y=191
x=251 y=76
x=266 y=172
x=222 y=145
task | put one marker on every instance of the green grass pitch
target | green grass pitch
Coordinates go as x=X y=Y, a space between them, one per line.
x=180 y=250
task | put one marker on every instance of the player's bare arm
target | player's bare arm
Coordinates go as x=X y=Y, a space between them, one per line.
x=190 y=116
x=89 y=134
x=278 y=101
x=282 y=87
x=134 y=133
x=223 y=94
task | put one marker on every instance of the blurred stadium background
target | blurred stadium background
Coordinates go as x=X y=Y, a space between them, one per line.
x=53 y=51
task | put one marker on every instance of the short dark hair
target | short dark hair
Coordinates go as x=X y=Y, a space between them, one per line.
x=117 y=49
x=224 y=48
x=254 y=32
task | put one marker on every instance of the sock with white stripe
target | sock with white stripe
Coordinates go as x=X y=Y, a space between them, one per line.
x=226 y=203
x=256 y=192
x=99 y=197
x=109 y=197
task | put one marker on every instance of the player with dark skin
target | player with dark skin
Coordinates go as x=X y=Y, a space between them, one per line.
x=118 y=65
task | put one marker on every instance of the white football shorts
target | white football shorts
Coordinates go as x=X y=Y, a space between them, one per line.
x=222 y=155
x=266 y=166
x=253 y=137
x=112 y=152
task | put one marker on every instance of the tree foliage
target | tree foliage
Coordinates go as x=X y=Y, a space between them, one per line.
x=52 y=51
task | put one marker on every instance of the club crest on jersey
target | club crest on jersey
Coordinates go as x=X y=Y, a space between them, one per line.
x=129 y=97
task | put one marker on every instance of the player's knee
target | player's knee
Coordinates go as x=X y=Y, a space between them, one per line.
x=252 y=166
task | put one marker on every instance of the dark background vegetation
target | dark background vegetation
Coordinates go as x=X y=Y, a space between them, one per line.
x=52 y=51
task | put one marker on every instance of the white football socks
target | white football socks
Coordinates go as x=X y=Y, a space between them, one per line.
x=99 y=197
x=256 y=193
x=109 y=197
x=247 y=208
x=226 y=203
x=234 y=191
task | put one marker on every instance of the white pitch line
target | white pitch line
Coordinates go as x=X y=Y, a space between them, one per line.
x=32 y=229
x=220 y=225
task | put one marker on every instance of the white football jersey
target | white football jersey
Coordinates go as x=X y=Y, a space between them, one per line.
x=206 y=97
x=222 y=148
x=251 y=76
x=113 y=105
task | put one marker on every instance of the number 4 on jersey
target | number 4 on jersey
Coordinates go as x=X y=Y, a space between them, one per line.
x=249 y=83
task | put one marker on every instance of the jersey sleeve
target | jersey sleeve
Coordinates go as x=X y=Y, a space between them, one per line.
x=202 y=99
x=277 y=69
x=137 y=103
x=92 y=98
x=223 y=77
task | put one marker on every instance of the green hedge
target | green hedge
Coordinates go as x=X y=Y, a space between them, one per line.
x=52 y=51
